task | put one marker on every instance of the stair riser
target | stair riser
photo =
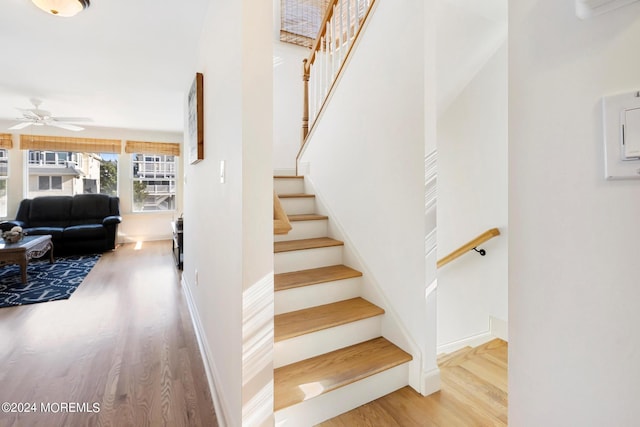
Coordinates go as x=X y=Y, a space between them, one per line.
x=288 y=185
x=321 y=408
x=318 y=294
x=298 y=205
x=321 y=342
x=304 y=230
x=307 y=259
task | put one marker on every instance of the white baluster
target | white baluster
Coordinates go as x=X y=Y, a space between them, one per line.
x=333 y=44
x=349 y=32
x=324 y=65
x=312 y=93
x=342 y=39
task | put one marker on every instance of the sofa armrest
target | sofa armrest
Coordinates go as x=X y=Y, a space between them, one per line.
x=113 y=219
x=8 y=225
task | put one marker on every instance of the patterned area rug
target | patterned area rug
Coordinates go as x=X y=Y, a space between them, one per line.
x=45 y=282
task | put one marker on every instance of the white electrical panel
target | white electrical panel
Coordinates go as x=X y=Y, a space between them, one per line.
x=630 y=134
x=621 y=114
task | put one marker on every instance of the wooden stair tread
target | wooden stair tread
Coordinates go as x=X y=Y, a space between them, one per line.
x=288 y=177
x=308 y=320
x=303 y=380
x=296 y=245
x=306 y=217
x=295 y=195
x=296 y=279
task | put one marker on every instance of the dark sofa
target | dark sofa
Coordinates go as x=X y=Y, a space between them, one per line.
x=84 y=223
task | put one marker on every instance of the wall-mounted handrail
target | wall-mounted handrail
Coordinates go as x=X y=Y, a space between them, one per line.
x=281 y=224
x=338 y=32
x=471 y=245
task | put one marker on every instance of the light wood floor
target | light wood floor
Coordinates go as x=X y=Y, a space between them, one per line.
x=474 y=393
x=124 y=340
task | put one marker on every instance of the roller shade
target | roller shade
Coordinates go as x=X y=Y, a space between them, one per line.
x=6 y=141
x=67 y=143
x=147 y=147
x=300 y=20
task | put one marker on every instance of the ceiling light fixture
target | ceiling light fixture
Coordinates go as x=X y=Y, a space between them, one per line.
x=62 y=7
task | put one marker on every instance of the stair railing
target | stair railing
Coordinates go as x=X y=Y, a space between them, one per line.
x=339 y=30
x=471 y=245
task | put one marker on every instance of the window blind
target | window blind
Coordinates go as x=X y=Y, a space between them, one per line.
x=67 y=143
x=300 y=20
x=147 y=147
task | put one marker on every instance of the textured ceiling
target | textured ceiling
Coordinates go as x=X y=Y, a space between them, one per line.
x=123 y=63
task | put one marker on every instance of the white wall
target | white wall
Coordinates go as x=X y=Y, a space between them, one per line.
x=228 y=226
x=472 y=198
x=287 y=99
x=573 y=239
x=135 y=226
x=366 y=161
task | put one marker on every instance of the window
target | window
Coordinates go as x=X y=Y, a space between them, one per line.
x=154 y=182
x=69 y=173
x=49 y=183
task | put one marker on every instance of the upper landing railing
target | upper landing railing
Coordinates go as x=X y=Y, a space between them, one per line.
x=338 y=32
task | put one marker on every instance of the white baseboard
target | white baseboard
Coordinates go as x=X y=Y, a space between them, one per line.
x=430 y=382
x=148 y=238
x=472 y=341
x=218 y=401
x=499 y=328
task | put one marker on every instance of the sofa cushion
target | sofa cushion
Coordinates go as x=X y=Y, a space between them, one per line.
x=56 y=232
x=50 y=211
x=85 y=231
x=90 y=208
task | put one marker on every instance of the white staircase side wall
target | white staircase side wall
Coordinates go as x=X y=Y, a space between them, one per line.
x=392 y=327
x=307 y=259
x=298 y=205
x=320 y=408
x=304 y=230
x=318 y=294
x=324 y=341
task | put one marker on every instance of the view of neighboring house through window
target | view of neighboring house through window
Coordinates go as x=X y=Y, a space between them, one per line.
x=154 y=182
x=4 y=173
x=69 y=173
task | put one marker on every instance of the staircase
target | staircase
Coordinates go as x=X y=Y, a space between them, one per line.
x=329 y=355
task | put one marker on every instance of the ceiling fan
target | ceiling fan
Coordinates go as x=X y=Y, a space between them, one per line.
x=37 y=117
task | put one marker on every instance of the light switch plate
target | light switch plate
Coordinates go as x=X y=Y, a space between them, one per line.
x=621 y=125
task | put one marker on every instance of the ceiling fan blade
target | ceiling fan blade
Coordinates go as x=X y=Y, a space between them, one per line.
x=20 y=126
x=66 y=126
x=72 y=119
x=28 y=113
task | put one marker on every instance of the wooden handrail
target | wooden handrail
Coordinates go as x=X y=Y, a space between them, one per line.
x=487 y=235
x=281 y=224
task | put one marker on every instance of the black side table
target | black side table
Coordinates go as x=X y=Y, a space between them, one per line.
x=176 y=243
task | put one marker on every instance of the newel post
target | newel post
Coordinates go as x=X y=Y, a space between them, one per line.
x=305 y=102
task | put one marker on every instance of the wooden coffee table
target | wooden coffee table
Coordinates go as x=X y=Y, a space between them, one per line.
x=21 y=252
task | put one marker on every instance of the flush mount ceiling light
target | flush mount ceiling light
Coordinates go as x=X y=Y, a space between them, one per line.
x=62 y=7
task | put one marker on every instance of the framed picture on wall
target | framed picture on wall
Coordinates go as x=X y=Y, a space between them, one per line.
x=195 y=111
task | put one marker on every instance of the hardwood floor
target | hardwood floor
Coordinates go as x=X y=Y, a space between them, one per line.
x=123 y=342
x=474 y=393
